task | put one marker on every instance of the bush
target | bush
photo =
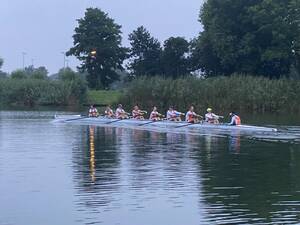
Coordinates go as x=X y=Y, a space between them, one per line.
x=41 y=92
x=238 y=92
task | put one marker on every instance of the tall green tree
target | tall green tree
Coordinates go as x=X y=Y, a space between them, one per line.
x=97 y=44
x=2 y=74
x=255 y=37
x=36 y=73
x=175 y=58
x=18 y=74
x=145 y=53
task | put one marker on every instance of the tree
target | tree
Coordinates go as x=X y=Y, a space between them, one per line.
x=97 y=44
x=36 y=73
x=18 y=74
x=2 y=74
x=145 y=53
x=175 y=57
x=1 y=62
x=67 y=74
x=253 y=37
x=75 y=82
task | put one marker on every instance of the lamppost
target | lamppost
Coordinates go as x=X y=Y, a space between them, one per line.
x=23 y=57
x=32 y=62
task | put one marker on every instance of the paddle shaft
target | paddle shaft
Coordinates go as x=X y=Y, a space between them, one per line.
x=83 y=117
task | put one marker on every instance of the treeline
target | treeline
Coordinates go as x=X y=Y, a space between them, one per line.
x=237 y=92
x=247 y=37
x=32 y=86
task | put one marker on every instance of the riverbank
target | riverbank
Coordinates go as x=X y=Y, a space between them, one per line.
x=239 y=93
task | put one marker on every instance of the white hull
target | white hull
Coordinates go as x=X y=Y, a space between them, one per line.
x=101 y=121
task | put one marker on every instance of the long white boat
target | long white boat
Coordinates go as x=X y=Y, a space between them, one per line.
x=102 y=121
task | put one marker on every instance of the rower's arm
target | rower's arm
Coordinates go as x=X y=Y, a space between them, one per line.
x=232 y=121
x=216 y=116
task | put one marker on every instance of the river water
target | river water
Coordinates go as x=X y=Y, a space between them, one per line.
x=55 y=173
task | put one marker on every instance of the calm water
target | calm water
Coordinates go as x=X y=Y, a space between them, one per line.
x=70 y=174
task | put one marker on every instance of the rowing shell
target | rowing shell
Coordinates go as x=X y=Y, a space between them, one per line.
x=102 y=121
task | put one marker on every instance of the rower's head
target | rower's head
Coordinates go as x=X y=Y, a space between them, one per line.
x=154 y=108
x=92 y=106
x=120 y=106
x=192 y=108
x=108 y=106
x=136 y=107
x=232 y=114
x=209 y=110
x=171 y=108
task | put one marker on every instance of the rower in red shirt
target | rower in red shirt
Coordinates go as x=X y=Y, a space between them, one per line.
x=137 y=113
x=191 y=116
x=155 y=115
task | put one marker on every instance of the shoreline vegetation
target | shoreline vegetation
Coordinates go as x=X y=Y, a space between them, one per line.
x=69 y=88
x=237 y=93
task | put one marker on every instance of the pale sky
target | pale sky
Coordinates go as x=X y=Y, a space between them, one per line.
x=44 y=28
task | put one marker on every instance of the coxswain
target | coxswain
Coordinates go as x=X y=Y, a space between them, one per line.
x=137 y=113
x=235 y=119
x=210 y=117
x=154 y=115
x=109 y=113
x=93 y=112
x=191 y=116
x=120 y=113
x=174 y=115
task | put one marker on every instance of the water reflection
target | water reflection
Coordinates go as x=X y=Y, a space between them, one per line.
x=92 y=152
x=94 y=175
x=235 y=142
x=140 y=170
x=251 y=186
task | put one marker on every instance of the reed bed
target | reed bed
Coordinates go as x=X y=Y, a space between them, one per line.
x=30 y=92
x=238 y=93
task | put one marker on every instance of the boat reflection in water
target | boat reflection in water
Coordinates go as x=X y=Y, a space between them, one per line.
x=146 y=171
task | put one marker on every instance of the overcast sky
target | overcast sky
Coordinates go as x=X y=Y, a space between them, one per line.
x=44 y=28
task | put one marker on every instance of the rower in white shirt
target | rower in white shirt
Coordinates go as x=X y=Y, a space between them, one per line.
x=210 y=117
x=174 y=115
x=120 y=113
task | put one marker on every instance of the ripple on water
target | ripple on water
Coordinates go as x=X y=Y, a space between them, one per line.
x=96 y=175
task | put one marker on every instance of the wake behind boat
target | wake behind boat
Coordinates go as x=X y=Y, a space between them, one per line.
x=135 y=123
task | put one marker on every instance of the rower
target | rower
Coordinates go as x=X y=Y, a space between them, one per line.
x=93 y=112
x=137 y=113
x=210 y=117
x=235 y=119
x=109 y=113
x=155 y=116
x=120 y=113
x=191 y=116
x=174 y=115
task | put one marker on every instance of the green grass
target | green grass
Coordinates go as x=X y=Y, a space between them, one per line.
x=102 y=97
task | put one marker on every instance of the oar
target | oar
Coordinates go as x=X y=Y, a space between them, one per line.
x=186 y=125
x=114 y=121
x=140 y=125
x=82 y=117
